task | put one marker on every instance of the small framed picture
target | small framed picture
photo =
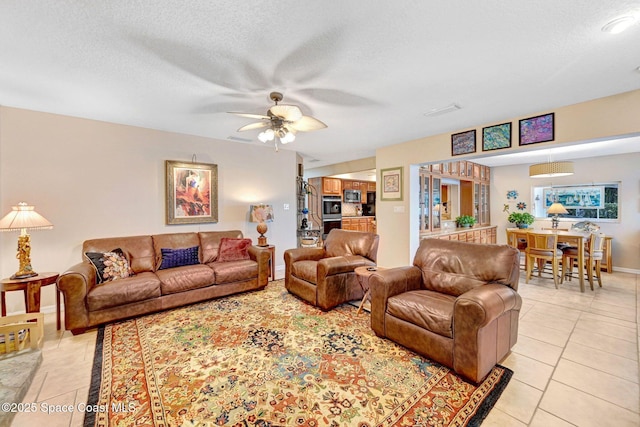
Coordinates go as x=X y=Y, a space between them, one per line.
x=463 y=143
x=391 y=180
x=496 y=137
x=537 y=129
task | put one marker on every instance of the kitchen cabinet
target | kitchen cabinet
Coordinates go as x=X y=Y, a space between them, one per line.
x=359 y=223
x=332 y=186
x=371 y=186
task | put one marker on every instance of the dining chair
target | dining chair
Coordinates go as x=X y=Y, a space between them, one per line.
x=517 y=238
x=543 y=248
x=593 y=255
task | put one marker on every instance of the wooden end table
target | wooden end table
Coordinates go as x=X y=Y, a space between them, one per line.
x=363 y=274
x=31 y=288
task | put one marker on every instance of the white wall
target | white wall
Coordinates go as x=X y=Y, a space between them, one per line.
x=95 y=179
x=623 y=168
x=397 y=221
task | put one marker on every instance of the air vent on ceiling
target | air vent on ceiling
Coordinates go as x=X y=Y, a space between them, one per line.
x=236 y=138
x=442 y=110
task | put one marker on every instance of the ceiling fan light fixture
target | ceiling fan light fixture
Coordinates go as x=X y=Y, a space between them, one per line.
x=618 y=25
x=267 y=135
x=287 y=138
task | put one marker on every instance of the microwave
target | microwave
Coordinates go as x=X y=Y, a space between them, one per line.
x=352 y=196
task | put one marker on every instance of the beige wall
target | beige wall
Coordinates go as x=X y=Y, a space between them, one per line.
x=96 y=179
x=611 y=116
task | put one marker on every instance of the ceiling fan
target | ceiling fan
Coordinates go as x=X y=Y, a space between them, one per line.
x=282 y=121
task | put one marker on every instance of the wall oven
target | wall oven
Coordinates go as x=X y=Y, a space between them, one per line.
x=331 y=207
x=331 y=214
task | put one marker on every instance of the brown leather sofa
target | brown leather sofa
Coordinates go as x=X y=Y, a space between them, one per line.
x=150 y=289
x=325 y=276
x=457 y=305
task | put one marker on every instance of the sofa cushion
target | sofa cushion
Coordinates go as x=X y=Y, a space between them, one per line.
x=140 y=287
x=138 y=250
x=427 y=309
x=184 y=278
x=233 y=271
x=172 y=258
x=112 y=265
x=306 y=270
x=172 y=241
x=234 y=249
x=210 y=243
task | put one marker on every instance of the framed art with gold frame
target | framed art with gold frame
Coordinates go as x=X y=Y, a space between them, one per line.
x=191 y=192
x=391 y=179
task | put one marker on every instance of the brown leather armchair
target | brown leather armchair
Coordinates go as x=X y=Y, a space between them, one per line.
x=324 y=276
x=457 y=305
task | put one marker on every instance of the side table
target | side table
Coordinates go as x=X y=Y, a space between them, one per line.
x=31 y=288
x=363 y=274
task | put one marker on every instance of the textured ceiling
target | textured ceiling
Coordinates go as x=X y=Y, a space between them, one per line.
x=369 y=70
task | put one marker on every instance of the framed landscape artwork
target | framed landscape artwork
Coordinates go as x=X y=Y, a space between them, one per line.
x=496 y=137
x=391 y=180
x=463 y=143
x=537 y=129
x=191 y=192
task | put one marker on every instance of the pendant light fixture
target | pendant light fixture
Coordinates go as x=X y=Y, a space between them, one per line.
x=550 y=169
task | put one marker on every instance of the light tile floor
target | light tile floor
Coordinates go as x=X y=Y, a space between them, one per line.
x=575 y=363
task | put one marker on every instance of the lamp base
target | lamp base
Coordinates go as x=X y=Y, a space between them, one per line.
x=23 y=275
x=262 y=241
x=554 y=222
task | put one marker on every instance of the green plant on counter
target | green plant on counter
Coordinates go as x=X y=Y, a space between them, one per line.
x=465 y=221
x=521 y=219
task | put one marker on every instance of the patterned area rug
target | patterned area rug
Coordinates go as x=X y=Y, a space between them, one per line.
x=266 y=358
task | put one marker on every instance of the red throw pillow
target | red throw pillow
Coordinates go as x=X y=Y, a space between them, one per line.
x=234 y=249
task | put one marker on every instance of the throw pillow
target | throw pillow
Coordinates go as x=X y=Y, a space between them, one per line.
x=110 y=266
x=178 y=257
x=234 y=249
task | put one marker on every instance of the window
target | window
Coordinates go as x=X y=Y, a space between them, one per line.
x=594 y=202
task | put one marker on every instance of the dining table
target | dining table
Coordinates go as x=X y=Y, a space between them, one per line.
x=572 y=238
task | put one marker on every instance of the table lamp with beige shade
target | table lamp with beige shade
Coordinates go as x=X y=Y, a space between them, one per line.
x=556 y=209
x=261 y=214
x=24 y=217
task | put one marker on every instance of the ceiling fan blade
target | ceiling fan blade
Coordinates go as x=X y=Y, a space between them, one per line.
x=256 y=125
x=290 y=113
x=250 y=116
x=307 y=124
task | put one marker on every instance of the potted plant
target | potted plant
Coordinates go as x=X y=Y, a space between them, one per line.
x=521 y=219
x=465 y=221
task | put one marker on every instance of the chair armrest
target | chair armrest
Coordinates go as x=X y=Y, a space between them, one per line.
x=479 y=338
x=341 y=264
x=386 y=283
x=482 y=305
x=301 y=254
x=75 y=284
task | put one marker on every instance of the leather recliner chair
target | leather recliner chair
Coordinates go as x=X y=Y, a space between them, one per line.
x=325 y=276
x=457 y=305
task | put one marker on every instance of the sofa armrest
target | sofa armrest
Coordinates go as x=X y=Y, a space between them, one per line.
x=75 y=284
x=261 y=256
x=384 y=284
